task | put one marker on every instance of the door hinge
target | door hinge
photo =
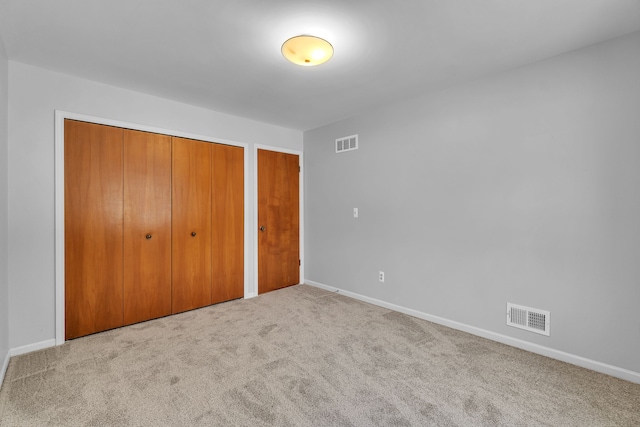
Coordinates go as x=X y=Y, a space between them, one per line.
x=299 y=262
x=299 y=168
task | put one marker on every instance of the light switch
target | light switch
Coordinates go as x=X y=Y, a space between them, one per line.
x=355 y=212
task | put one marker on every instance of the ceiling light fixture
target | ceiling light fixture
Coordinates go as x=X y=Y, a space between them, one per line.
x=307 y=50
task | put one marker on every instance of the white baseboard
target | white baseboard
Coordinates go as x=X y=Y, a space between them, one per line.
x=583 y=362
x=3 y=368
x=32 y=347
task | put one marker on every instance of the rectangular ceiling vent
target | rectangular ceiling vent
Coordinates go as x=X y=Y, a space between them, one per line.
x=529 y=319
x=347 y=143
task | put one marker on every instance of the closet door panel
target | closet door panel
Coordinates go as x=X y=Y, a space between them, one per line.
x=147 y=226
x=227 y=222
x=191 y=224
x=93 y=228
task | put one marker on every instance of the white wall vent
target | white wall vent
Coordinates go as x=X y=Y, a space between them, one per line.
x=347 y=143
x=529 y=319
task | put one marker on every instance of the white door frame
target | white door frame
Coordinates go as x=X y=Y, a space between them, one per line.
x=60 y=116
x=300 y=155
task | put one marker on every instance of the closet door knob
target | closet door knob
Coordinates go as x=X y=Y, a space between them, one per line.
x=193 y=234
x=262 y=228
x=148 y=236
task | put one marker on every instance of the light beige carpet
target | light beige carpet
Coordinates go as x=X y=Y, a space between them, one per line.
x=302 y=356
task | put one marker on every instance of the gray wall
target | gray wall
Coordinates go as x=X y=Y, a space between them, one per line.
x=521 y=187
x=34 y=95
x=4 y=204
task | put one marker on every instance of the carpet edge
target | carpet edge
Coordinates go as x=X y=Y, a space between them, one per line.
x=583 y=362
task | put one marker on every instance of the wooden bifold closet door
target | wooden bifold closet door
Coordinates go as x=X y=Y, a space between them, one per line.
x=154 y=225
x=147 y=226
x=227 y=177
x=93 y=228
x=191 y=224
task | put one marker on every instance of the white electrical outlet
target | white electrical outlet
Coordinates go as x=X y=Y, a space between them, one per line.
x=381 y=276
x=355 y=212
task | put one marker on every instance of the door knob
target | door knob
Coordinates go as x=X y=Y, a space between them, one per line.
x=148 y=236
x=263 y=228
x=193 y=234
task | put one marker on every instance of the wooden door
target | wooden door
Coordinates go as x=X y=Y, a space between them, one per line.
x=93 y=191
x=227 y=173
x=147 y=226
x=191 y=224
x=278 y=220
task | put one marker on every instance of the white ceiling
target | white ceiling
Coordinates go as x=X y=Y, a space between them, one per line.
x=225 y=55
